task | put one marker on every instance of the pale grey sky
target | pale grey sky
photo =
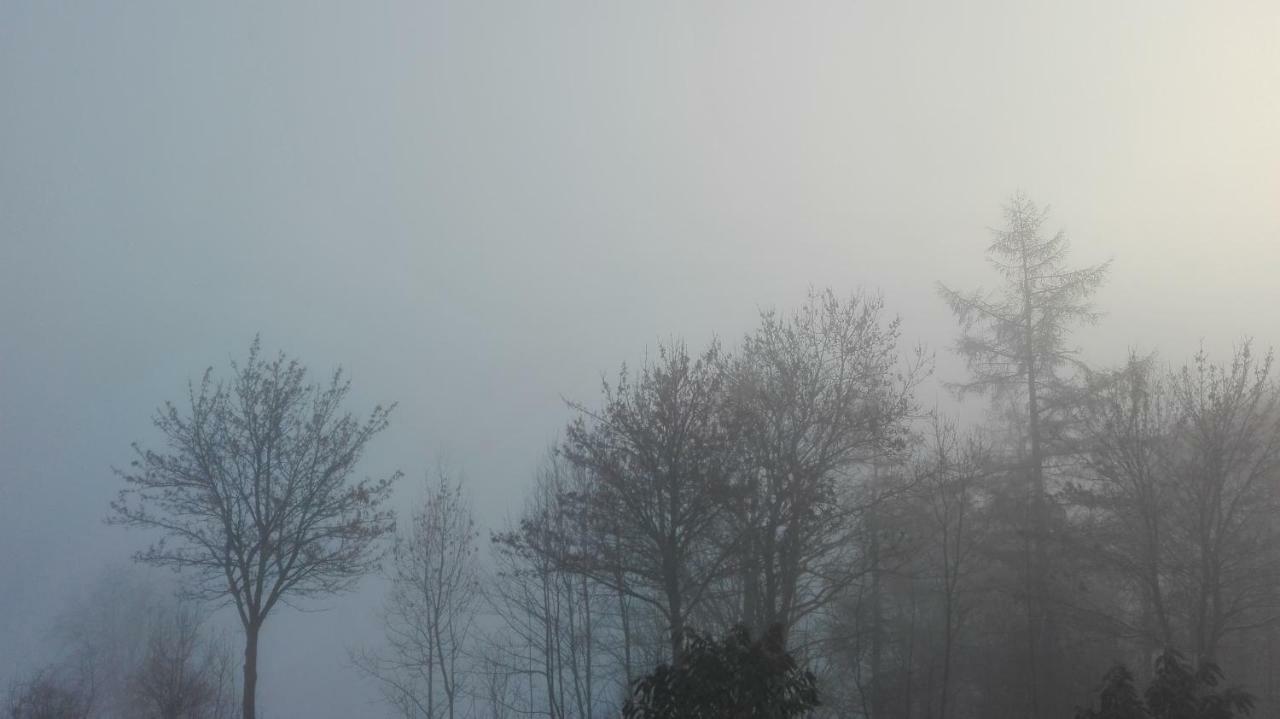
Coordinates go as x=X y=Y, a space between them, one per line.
x=480 y=207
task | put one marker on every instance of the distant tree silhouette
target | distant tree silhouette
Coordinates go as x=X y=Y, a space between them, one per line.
x=813 y=397
x=185 y=673
x=1183 y=495
x=1014 y=341
x=46 y=694
x=556 y=623
x=429 y=615
x=736 y=678
x=1118 y=699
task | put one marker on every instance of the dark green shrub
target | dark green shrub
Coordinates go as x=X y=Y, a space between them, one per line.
x=1177 y=691
x=736 y=678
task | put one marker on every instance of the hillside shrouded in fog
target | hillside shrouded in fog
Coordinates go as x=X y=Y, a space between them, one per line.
x=482 y=210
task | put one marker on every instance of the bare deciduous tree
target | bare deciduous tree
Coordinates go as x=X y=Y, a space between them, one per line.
x=659 y=462
x=950 y=477
x=142 y=652
x=254 y=494
x=185 y=673
x=1227 y=485
x=51 y=693
x=430 y=612
x=815 y=397
x=554 y=616
x=1183 y=496
x=103 y=634
x=1128 y=445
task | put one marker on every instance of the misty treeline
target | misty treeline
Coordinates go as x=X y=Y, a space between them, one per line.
x=788 y=485
x=129 y=648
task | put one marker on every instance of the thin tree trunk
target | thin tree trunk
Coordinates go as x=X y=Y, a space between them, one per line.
x=877 y=624
x=948 y=640
x=909 y=694
x=586 y=608
x=626 y=635
x=550 y=629
x=624 y=615
x=675 y=602
x=1041 y=640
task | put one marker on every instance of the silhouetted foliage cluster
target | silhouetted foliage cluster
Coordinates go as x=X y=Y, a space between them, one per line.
x=736 y=678
x=1177 y=691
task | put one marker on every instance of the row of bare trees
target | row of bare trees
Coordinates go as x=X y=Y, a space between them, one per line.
x=925 y=571
x=703 y=490
x=788 y=484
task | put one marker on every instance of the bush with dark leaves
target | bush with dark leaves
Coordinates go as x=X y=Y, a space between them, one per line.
x=735 y=678
x=1177 y=691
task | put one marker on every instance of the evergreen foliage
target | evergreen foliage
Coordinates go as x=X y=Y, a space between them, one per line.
x=734 y=678
x=1177 y=691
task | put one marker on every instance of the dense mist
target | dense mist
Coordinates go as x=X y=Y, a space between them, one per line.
x=476 y=359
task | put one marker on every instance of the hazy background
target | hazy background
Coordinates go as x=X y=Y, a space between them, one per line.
x=478 y=208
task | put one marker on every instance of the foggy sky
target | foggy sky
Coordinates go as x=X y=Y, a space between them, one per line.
x=478 y=208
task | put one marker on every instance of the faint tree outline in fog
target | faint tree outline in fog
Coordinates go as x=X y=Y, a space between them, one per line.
x=431 y=607
x=815 y=397
x=184 y=673
x=1014 y=340
x=130 y=651
x=1182 y=496
x=50 y=693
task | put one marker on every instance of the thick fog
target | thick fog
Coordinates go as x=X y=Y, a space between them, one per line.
x=478 y=209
